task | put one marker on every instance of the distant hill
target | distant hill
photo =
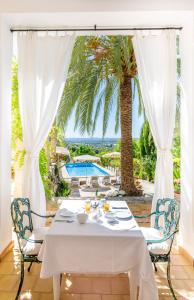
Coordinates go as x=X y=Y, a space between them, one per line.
x=91 y=141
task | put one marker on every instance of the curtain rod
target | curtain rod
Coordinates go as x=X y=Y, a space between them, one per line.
x=94 y=28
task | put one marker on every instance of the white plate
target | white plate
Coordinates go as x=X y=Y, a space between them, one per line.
x=66 y=213
x=123 y=215
x=110 y=215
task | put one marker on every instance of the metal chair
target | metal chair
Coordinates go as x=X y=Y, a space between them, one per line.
x=29 y=240
x=160 y=237
x=75 y=182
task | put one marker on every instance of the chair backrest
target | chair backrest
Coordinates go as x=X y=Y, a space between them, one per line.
x=94 y=181
x=167 y=216
x=94 y=178
x=21 y=217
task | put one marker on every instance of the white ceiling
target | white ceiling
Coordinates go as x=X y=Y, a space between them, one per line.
x=92 y=5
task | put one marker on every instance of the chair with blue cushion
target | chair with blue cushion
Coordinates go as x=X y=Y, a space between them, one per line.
x=29 y=239
x=160 y=237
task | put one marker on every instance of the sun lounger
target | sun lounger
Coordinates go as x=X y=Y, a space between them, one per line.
x=106 y=180
x=75 y=182
x=94 y=182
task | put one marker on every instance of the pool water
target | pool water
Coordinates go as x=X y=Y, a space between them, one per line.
x=85 y=170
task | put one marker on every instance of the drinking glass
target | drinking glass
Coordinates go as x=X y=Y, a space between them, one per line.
x=88 y=207
x=106 y=206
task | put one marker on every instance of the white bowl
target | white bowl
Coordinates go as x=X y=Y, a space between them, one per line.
x=82 y=218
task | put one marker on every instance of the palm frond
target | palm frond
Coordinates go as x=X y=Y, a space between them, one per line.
x=111 y=87
x=137 y=88
x=100 y=98
x=96 y=60
x=117 y=115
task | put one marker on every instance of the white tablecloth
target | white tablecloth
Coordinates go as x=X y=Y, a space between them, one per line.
x=98 y=247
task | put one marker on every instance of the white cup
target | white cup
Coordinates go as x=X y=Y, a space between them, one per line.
x=82 y=218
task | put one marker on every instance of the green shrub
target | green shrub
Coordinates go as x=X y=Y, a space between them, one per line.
x=148 y=168
x=43 y=163
x=48 y=188
x=44 y=172
x=63 y=189
x=81 y=150
x=137 y=167
x=115 y=163
x=176 y=170
x=146 y=142
x=136 y=149
x=177 y=185
x=105 y=161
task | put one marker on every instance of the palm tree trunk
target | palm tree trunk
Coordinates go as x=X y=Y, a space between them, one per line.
x=127 y=180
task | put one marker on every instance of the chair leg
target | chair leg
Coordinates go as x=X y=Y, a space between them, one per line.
x=29 y=268
x=21 y=280
x=155 y=268
x=169 y=280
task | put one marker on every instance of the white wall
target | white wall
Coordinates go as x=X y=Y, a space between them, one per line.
x=187 y=140
x=5 y=134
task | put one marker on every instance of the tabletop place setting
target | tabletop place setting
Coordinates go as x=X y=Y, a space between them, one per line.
x=98 y=211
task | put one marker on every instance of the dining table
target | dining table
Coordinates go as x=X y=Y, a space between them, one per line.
x=110 y=242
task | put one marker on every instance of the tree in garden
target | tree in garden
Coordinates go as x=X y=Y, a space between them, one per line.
x=82 y=149
x=147 y=152
x=102 y=74
x=147 y=146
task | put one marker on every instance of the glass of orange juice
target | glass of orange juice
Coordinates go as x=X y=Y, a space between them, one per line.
x=106 y=206
x=88 y=207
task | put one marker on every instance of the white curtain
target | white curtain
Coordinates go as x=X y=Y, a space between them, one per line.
x=156 y=63
x=43 y=62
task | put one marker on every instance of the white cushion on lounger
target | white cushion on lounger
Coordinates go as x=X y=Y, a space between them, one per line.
x=34 y=248
x=154 y=234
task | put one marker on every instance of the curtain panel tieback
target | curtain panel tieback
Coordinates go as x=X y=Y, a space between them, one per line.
x=163 y=151
x=31 y=155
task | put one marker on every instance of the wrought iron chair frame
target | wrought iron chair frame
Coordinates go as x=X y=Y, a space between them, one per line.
x=20 y=230
x=174 y=208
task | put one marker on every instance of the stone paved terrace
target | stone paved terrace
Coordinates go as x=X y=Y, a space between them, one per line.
x=84 y=287
x=95 y=287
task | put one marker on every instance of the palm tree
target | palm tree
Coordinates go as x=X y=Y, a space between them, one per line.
x=101 y=76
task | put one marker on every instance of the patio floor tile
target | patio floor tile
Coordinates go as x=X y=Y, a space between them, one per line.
x=101 y=285
x=94 y=287
x=113 y=297
x=29 y=295
x=120 y=286
x=29 y=282
x=179 y=260
x=43 y=285
x=90 y=297
x=70 y=297
x=7 y=268
x=79 y=285
x=46 y=296
x=8 y=282
x=7 y=295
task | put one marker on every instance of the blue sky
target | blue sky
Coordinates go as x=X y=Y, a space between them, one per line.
x=137 y=124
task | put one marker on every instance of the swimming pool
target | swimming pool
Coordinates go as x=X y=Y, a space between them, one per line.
x=84 y=170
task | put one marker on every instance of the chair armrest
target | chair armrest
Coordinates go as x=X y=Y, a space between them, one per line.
x=47 y=216
x=162 y=239
x=32 y=241
x=149 y=215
